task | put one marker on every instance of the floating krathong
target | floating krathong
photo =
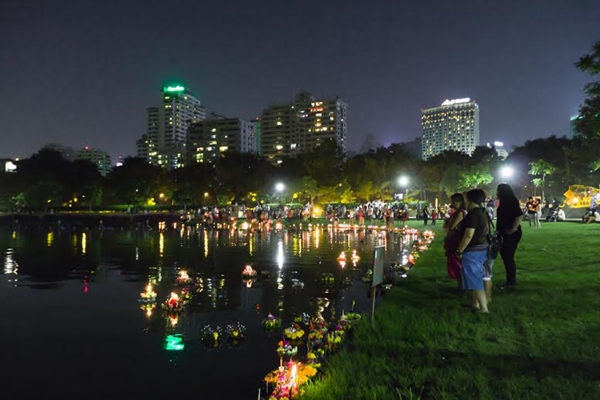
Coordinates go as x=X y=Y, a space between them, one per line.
x=294 y=332
x=271 y=323
x=236 y=331
x=355 y=257
x=342 y=257
x=148 y=295
x=173 y=303
x=248 y=272
x=211 y=337
x=183 y=278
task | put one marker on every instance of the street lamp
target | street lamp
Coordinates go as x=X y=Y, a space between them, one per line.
x=279 y=187
x=506 y=172
x=403 y=182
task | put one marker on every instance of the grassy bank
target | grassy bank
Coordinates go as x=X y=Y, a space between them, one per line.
x=540 y=341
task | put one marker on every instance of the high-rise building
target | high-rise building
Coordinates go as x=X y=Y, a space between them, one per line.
x=289 y=129
x=99 y=157
x=452 y=126
x=166 y=137
x=212 y=137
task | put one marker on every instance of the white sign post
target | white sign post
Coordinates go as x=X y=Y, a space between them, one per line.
x=378 y=254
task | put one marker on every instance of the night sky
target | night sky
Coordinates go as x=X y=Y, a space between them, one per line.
x=83 y=72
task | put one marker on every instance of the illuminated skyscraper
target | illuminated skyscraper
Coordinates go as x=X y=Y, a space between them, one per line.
x=298 y=127
x=452 y=126
x=166 y=136
x=208 y=139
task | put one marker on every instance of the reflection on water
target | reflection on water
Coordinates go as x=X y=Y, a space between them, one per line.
x=153 y=291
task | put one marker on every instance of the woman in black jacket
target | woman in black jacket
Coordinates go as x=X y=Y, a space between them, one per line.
x=509 y=226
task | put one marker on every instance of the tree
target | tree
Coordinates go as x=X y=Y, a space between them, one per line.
x=588 y=122
x=541 y=169
x=475 y=177
x=134 y=182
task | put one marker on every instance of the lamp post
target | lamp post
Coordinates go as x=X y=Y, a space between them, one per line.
x=279 y=189
x=403 y=182
x=506 y=172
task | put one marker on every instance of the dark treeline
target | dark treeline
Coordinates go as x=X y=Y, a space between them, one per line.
x=46 y=180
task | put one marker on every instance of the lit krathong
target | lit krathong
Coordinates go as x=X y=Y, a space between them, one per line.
x=183 y=278
x=248 y=272
x=148 y=295
x=174 y=303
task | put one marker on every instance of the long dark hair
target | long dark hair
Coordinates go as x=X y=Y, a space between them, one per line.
x=506 y=195
x=459 y=198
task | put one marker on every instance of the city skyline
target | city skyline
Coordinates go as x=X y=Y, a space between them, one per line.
x=84 y=73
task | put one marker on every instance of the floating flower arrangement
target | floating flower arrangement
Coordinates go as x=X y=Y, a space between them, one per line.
x=285 y=349
x=211 y=337
x=148 y=295
x=174 y=303
x=235 y=333
x=271 y=323
x=248 y=272
x=294 y=332
x=183 y=278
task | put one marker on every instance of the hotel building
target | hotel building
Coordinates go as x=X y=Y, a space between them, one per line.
x=454 y=125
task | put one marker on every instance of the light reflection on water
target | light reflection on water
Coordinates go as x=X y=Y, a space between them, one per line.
x=114 y=267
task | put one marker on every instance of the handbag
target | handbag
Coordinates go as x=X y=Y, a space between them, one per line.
x=495 y=240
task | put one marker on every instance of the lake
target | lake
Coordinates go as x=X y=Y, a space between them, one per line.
x=73 y=322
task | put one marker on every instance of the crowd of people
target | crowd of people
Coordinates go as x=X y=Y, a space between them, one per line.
x=472 y=242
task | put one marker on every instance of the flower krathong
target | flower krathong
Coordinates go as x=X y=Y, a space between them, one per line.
x=321 y=338
x=271 y=323
x=285 y=348
x=294 y=332
x=211 y=337
x=235 y=332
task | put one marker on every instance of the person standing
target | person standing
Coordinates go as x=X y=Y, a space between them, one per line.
x=473 y=247
x=453 y=236
x=508 y=225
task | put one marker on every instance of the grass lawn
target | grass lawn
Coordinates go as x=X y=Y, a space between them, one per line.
x=540 y=341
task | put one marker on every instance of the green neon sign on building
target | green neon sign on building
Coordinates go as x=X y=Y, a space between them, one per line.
x=172 y=89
